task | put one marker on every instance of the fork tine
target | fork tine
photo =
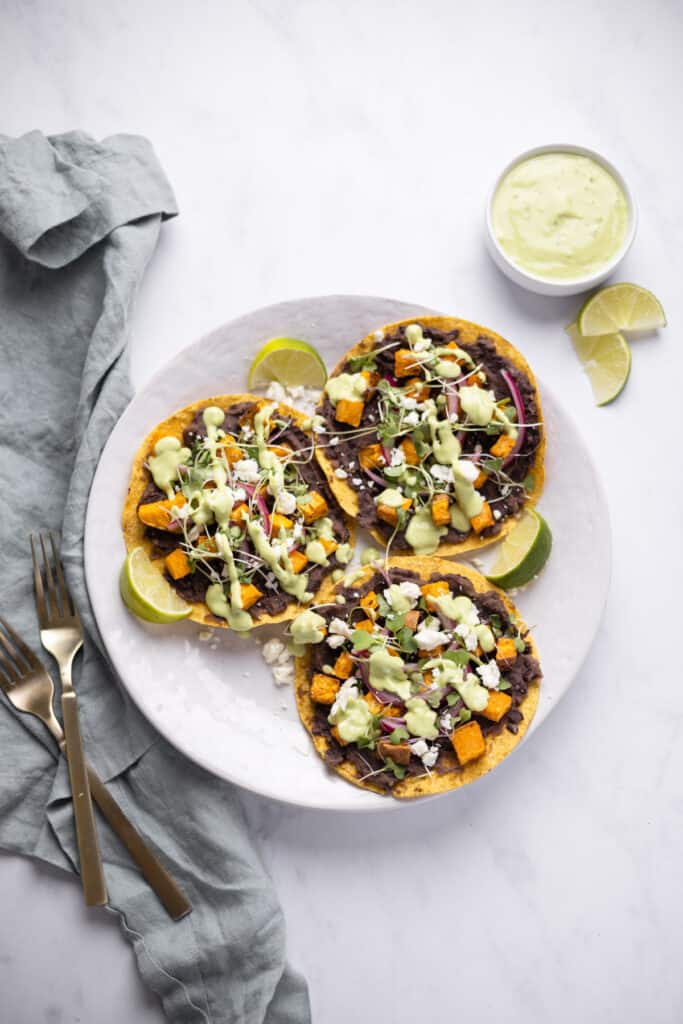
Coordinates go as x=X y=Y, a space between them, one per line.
x=65 y=597
x=53 y=607
x=8 y=672
x=38 y=584
x=19 y=644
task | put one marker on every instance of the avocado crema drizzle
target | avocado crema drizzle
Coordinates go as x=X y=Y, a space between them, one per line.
x=229 y=495
x=455 y=402
x=409 y=670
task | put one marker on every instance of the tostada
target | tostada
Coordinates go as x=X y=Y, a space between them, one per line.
x=227 y=497
x=417 y=677
x=433 y=435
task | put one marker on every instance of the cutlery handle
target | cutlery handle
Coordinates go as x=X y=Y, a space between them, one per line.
x=92 y=874
x=151 y=867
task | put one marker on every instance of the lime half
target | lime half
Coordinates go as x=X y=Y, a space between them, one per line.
x=523 y=553
x=620 y=307
x=146 y=593
x=290 y=362
x=607 y=361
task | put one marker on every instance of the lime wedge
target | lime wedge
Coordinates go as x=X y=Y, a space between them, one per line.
x=523 y=553
x=290 y=362
x=607 y=361
x=620 y=307
x=146 y=593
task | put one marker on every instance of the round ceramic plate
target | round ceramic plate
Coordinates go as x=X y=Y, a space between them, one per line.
x=215 y=699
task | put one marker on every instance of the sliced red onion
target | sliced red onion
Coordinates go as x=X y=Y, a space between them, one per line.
x=476 y=454
x=392 y=380
x=519 y=408
x=389 y=724
x=452 y=402
x=386 y=454
x=263 y=509
x=248 y=488
x=377 y=479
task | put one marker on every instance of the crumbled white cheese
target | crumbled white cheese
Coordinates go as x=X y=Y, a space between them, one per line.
x=284 y=674
x=347 y=691
x=356 y=481
x=408 y=403
x=272 y=649
x=419 y=747
x=412 y=418
x=247 y=470
x=397 y=457
x=378 y=335
x=341 y=628
x=468 y=470
x=446 y=721
x=431 y=757
x=286 y=503
x=467 y=634
x=427 y=638
x=411 y=590
x=335 y=641
x=442 y=473
x=334 y=441
x=489 y=674
x=340 y=473
x=297 y=530
x=496 y=513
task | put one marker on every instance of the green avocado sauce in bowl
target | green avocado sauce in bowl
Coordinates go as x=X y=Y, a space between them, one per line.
x=560 y=219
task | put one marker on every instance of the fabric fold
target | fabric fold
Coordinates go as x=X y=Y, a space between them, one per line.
x=79 y=221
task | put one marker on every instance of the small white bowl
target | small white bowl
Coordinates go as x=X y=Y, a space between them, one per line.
x=551 y=286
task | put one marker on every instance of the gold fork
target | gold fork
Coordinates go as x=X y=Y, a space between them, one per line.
x=62 y=636
x=29 y=688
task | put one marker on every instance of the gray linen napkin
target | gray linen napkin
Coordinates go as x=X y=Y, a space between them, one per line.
x=79 y=220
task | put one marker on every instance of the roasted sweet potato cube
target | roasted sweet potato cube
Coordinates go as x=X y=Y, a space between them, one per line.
x=239 y=513
x=177 y=564
x=371 y=456
x=158 y=513
x=408 y=449
x=412 y=618
x=468 y=742
x=432 y=590
x=405 y=363
x=389 y=514
x=441 y=512
x=480 y=480
x=505 y=649
x=369 y=601
x=417 y=389
x=324 y=688
x=483 y=520
x=503 y=446
x=314 y=508
x=376 y=706
x=335 y=732
x=249 y=594
x=343 y=666
x=372 y=378
x=350 y=412
x=400 y=753
x=279 y=522
x=208 y=543
x=498 y=703
x=283 y=451
x=328 y=545
x=298 y=560
x=366 y=624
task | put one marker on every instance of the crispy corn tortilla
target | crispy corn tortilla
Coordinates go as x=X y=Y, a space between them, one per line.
x=469 y=332
x=498 y=745
x=134 y=530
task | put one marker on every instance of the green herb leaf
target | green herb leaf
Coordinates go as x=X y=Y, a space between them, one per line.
x=361 y=639
x=503 y=684
x=399 y=734
x=406 y=640
x=457 y=657
x=519 y=644
x=395 y=622
x=528 y=482
x=398 y=769
x=465 y=715
x=452 y=699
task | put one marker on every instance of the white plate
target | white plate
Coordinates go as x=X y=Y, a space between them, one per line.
x=216 y=701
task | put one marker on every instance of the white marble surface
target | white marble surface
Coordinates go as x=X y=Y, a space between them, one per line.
x=347 y=147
